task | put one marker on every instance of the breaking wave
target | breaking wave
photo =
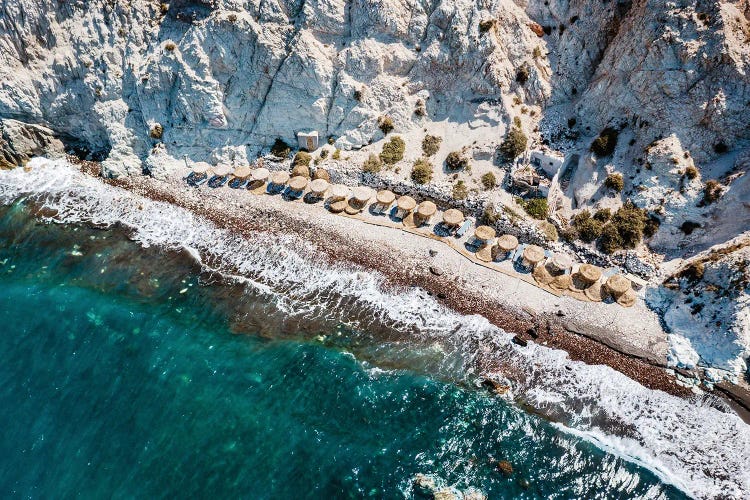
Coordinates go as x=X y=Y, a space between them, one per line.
x=698 y=448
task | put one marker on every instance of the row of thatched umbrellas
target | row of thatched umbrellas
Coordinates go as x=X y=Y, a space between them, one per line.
x=555 y=271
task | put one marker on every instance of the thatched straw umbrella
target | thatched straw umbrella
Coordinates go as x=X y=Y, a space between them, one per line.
x=425 y=211
x=594 y=293
x=222 y=170
x=338 y=192
x=560 y=263
x=360 y=196
x=542 y=275
x=201 y=167
x=260 y=175
x=301 y=171
x=483 y=234
x=298 y=183
x=588 y=273
x=532 y=255
x=383 y=200
x=617 y=285
x=338 y=206
x=280 y=178
x=322 y=173
x=627 y=299
x=318 y=187
x=242 y=172
x=561 y=282
x=452 y=217
x=505 y=245
x=405 y=205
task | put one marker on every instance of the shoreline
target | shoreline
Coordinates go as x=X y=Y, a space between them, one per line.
x=546 y=319
x=630 y=340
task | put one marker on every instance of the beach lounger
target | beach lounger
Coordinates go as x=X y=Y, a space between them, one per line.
x=201 y=182
x=464 y=227
x=238 y=183
x=217 y=181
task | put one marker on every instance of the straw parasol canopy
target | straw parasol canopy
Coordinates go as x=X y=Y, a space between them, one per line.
x=385 y=197
x=533 y=254
x=507 y=242
x=280 y=178
x=406 y=203
x=319 y=186
x=241 y=172
x=322 y=173
x=361 y=194
x=201 y=167
x=542 y=275
x=426 y=209
x=338 y=206
x=453 y=217
x=589 y=273
x=561 y=261
x=594 y=292
x=561 y=282
x=618 y=284
x=260 y=174
x=298 y=183
x=484 y=233
x=222 y=170
x=338 y=192
x=627 y=299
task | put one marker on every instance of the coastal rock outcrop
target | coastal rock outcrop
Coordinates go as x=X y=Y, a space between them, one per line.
x=19 y=142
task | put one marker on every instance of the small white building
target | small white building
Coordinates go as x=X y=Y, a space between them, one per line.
x=548 y=160
x=308 y=140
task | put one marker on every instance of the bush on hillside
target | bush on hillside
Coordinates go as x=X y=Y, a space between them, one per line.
x=372 y=165
x=489 y=181
x=393 y=150
x=615 y=182
x=629 y=221
x=385 y=124
x=421 y=172
x=460 y=191
x=302 y=158
x=280 y=149
x=691 y=172
x=456 y=161
x=514 y=144
x=536 y=207
x=610 y=240
x=431 y=144
x=712 y=192
x=605 y=144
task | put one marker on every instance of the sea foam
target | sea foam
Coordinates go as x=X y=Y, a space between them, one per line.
x=698 y=448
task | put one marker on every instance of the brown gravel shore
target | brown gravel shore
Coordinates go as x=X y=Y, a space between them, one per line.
x=448 y=287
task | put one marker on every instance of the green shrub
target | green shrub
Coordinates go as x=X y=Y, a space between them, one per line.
x=393 y=150
x=323 y=154
x=549 y=230
x=536 y=207
x=693 y=272
x=331 y=140
x=372 y=165
x=610 y=240
x=603 y=214
x=537 y=52
x=302 y=158
x=170 y=46
x=489 y=216
x=691 y=172
x=615 y=182
x=421 y=172
x=280 y=149
x=456 y=161
x=460 y=191
x=431 y=144
x=514 y=144
x=358 y=94
x=629 y=221
x=712 y=192
x=385 y=124
x=336 y=154
x=605 y=144
x=589 y=230
x=489 y=181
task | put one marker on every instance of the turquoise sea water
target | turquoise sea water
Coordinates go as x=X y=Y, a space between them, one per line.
x=128 y=373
